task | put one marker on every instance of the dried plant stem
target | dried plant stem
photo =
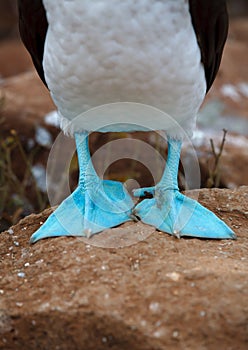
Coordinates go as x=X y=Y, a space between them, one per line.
x=214 y=175
x=28 y=162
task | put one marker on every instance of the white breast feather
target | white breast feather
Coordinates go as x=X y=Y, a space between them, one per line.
x=142 y=51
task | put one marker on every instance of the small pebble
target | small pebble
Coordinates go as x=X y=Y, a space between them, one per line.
x=174 y=276
x=175 y=334
x=21 y=274
x=143 y=323
x=19 y=304
x=159 y=333
x=38 y=262
x=154 y=307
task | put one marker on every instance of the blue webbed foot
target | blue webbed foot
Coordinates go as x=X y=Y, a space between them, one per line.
x=94 y=206
x=85 y=213
x=172 y=212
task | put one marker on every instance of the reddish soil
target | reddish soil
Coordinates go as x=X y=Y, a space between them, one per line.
x=161 y=293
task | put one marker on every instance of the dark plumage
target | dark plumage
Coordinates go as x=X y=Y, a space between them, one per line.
x=210 y=21
x=33 y=28
x=209 y=18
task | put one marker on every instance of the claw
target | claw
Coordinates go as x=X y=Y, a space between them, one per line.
x=93 y=207
x=108 y=207
x=180 y=216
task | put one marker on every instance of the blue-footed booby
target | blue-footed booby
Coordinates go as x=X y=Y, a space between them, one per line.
x=160 y=53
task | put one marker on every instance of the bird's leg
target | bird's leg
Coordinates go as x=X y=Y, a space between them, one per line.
x=174 y=213
x=95 y=205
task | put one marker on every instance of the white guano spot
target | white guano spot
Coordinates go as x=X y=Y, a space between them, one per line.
x=53 y=119
x=43 y=137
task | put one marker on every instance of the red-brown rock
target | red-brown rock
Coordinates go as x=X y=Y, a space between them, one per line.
x=161 y=293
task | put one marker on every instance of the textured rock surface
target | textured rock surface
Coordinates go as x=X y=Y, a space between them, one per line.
x=161 y=293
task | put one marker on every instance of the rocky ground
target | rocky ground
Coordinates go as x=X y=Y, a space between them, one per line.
x=156 y=292
x=160 y=293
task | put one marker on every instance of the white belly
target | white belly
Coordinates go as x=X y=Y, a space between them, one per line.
x=144 y=51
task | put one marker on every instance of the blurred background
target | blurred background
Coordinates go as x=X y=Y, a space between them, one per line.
x=28 y=128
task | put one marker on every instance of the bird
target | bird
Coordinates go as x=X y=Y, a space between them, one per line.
x=159 y=53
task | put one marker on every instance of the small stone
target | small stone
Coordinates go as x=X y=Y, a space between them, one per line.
x=154 y=307
x=143 y=323
x=175 y=334
x=104 y=340
x=38 y=262
x=174 y=276
x=19 y=304
x=159 y=333
x=21 y=274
